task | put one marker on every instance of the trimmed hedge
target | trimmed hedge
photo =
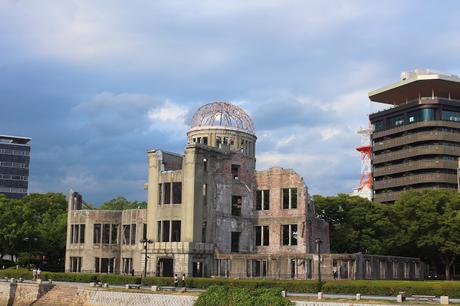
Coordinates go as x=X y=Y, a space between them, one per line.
x=300 y=286
x=392 y=288
x=231 y=296
x=368 y=287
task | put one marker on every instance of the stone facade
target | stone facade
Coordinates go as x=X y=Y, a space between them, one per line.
x=209 y=213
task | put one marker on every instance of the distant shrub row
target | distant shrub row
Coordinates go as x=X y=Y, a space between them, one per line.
x=368 y=287
x=234 y=296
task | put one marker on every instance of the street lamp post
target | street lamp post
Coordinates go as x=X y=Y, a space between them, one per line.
x=318 y=242
x=30 y=239
x=145 y=242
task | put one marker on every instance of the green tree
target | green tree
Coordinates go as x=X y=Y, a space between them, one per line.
x=356 y=224
x=35 y=224
x=429 y=225
x=121 y=203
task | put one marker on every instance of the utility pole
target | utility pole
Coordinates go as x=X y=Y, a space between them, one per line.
x=318 y=242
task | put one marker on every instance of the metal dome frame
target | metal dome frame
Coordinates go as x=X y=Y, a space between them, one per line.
x=222 y=114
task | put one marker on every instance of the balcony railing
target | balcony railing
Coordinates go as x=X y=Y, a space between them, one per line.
x=416 y=151
x=415 y=165
x=416 y=137
x=412 y=126
x=416 y=179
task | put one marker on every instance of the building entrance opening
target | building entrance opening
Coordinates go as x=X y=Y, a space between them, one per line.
x=197 y=269
x=165 y=267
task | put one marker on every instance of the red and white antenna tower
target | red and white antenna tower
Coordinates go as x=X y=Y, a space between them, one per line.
x=365 y=179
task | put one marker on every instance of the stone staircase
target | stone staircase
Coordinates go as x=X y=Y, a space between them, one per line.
x=60 y=295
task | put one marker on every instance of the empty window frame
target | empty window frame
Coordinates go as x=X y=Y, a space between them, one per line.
x=235 y=242
x=133 y=234
x=106 y=233
x=169 y=231
x=97 y=233
x=289 y=235
x=126 y=234
x=205 y=194
x=165 y=231
x=167 y=193
x=144 y=231
x=114 y=234
x=75 y=264
x=259 y=268
x=160 y=194
x=289 y=198
x=236 y=205
x=82 y=233
x=177 y=193
x=235 y=171
x=158 y=231
x=262 y=235
x=205 y=165
x=77 y=233
x=170 y=193
x=104 y=265
x=127 y=265
x=203 y=232
x=175 y=231
x=262 y=199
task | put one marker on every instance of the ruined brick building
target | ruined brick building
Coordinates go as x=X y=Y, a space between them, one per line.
x=210 y=213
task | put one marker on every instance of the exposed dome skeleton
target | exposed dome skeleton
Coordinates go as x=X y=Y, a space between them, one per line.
x=222 y=114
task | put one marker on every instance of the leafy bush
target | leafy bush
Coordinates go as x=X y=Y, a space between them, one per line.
x=232 y=296
x=392 y=288
x=301 y=286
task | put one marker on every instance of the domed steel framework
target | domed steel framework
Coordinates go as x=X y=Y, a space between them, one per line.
x=222 y=114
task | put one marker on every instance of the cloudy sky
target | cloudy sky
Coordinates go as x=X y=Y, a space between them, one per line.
x=97 y=83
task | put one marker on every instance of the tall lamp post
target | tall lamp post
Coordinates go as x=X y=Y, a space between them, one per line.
x=318 y=242
x=146 y=243
x=29 y=240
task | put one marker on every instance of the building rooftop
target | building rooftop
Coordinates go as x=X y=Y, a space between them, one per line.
x=14 y=139
x=417 y=84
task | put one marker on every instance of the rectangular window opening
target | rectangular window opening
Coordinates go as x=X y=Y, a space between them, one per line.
x=259 y=200
x=235 y=171
x=236 y=205
x=125 y=234
x=144 y=231
x=82 y=233
x=177 y=193
x=165 y=231
x=205 y=194
x=160 y=192
x=235 y=243
x=176 y=231
x=133 y=233
x=97 y=233
x=167 y=193
x=114 y=234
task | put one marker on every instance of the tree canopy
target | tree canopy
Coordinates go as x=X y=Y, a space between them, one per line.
x=35 y=224
x=121 y=203
x=356 y=224
x=423 y=224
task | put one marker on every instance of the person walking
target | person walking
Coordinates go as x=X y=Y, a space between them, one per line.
x=39 y=272
x=183 y=280
x=176 y=281
x=34 y=273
